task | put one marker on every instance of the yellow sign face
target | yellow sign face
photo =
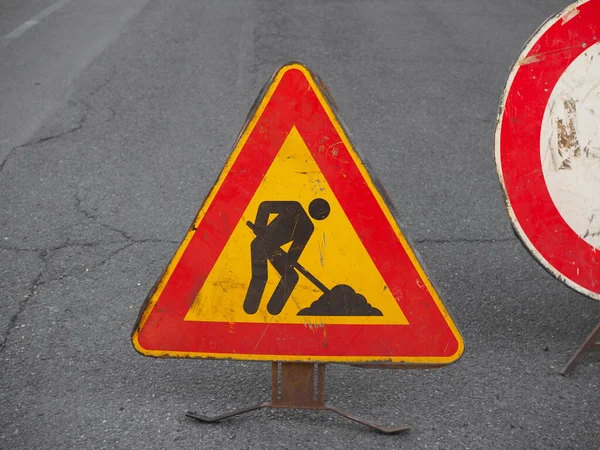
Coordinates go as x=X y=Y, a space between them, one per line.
x=334 y=254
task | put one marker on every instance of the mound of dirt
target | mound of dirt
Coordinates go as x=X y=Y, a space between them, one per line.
x=342 y=300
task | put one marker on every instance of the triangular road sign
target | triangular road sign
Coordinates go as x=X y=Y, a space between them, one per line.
x=295 y=255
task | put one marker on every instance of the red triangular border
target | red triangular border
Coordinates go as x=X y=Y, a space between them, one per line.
x=294 y=99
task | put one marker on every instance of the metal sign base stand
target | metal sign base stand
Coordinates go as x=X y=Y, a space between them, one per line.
x=293 y=386
x=590 y=345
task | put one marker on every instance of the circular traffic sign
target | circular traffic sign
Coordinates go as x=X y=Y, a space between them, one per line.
x=548 y=146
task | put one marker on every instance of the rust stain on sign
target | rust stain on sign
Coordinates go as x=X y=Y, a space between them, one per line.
x=568 y=143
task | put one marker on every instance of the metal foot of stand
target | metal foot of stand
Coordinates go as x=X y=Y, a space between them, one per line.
x=293 y=387
x=591 y=344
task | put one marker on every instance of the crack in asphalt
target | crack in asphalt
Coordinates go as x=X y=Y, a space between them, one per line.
x=37 y=281
x=78 y=126
x=87 y=108
x=8 y=156
x=94 y=218
x=22 y=304
x=44 y=252
x=127 y=237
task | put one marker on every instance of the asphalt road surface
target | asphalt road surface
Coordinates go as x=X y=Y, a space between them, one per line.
x=115 y=121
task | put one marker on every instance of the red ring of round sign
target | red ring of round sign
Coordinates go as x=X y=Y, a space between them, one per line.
x=534 y=215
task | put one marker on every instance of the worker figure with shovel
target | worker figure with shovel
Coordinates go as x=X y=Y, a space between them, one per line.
x=291 y=224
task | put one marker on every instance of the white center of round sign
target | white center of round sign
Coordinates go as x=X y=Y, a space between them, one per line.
x=570 y=145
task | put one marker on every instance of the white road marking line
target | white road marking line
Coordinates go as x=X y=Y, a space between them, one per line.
x=34 y=21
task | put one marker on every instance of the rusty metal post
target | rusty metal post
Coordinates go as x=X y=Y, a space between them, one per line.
x=590 y=345
x=298 y=386
x=293 y=387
